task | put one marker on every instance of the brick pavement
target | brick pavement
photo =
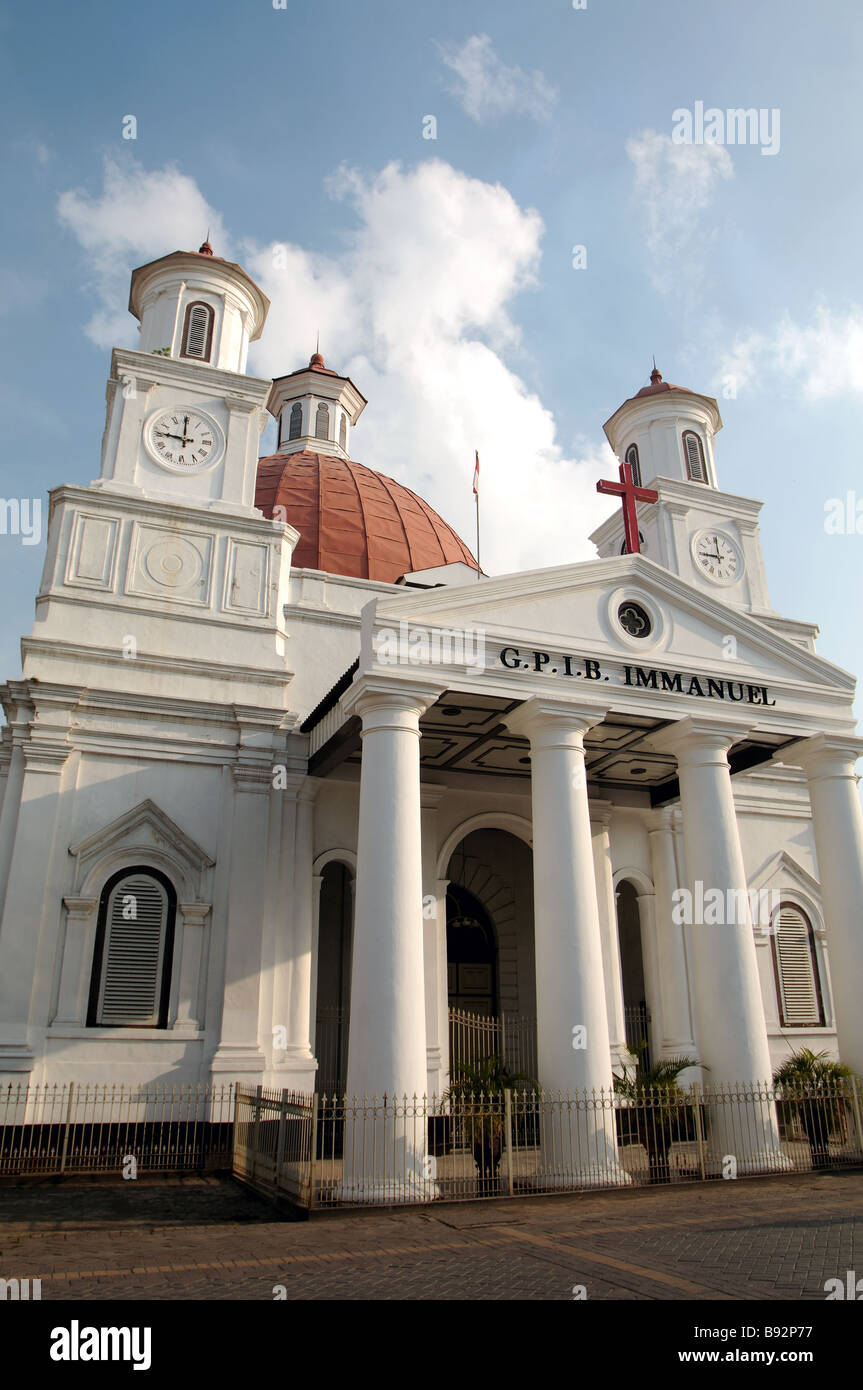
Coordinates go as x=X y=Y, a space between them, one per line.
x=207 y=1238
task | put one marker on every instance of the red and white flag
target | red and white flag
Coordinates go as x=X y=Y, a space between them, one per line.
x=476 y=476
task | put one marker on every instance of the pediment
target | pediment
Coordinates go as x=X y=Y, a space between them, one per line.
x=783 y=867
x=573 y=609
x=145 y=828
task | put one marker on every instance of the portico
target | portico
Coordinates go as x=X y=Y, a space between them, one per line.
x=612 y=774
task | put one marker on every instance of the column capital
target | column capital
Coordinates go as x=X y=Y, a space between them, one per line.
x=431 y=795
x=660 y=820
x=600 y=813
x=80 y=907
x=824 y=755
x=195 y=913
x=547 y=722
x=390 y=703
x=699 y=740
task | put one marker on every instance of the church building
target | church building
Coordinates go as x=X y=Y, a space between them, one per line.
x=295 y=796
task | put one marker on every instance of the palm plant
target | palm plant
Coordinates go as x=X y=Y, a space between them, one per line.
x=660 y=1113
x=811 y=1093
x=479 y=1092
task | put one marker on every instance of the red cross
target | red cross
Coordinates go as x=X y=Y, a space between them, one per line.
x=629 y=494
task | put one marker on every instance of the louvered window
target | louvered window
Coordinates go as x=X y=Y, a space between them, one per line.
x=635 y=463
x=296 y=426
x=198 y=331
x=132 y=966
x=343 y=431
x=322 y=422
x=796 y=965
x=695 y=468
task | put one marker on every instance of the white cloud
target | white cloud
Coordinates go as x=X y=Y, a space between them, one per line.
x=488 y=89
x=138 y=216
x=417 y=310
x=674 y=185
x=823 y=359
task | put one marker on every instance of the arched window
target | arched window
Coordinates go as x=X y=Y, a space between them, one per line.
x=635 y=463
x=695 y=468
x=343 y=431
x=798 y=986
x=198 y=331
x=322 y=421
x=296 y=426
x=131 y=979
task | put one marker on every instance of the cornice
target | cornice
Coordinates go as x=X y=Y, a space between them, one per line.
x=184 y=515
x=168 y=371
x=186 y=666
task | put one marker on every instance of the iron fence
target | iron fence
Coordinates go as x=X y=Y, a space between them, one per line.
x=99 y=1128
x=636 y=1020
x=327 y=1151
x=473 y=1038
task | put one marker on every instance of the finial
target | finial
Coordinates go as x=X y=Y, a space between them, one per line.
x=655 y=375
x=316 y=360
x=205 y=249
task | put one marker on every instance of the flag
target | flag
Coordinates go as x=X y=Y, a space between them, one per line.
x=476 y=476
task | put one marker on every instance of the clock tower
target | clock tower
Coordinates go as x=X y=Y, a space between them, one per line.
x=183 y=420
x=710 y=538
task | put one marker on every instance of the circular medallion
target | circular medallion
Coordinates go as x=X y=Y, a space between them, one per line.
x=174 y=562
x=634 y=619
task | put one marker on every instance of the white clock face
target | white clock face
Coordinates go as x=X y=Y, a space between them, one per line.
x=183 y=440
x=718 y=556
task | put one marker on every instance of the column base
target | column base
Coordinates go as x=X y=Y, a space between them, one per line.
x=611 y=1175
x=378 y=1192
x=293 y=1072
x=751 y=1165
x=244 y=1063
x=17 y=1059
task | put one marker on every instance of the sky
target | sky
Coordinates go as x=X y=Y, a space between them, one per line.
x=489 y=213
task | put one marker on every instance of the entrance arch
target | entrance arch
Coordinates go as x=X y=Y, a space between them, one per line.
x=634 y=971
x=490 y=965
x=334 y=947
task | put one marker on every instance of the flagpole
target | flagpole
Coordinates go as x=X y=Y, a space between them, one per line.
x=476 y=499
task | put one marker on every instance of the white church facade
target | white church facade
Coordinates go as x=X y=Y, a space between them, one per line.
x=286 y=782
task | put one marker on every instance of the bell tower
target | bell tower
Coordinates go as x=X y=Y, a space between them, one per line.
x=710 y=538
x=183 y=420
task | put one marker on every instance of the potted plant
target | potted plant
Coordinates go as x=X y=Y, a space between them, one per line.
x=479 y=1095
x=660 y=1113
x=811 y=1094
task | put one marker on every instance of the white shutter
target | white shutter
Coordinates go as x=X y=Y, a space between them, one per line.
x=197 y=331
x=694 y=458
x=795 y=966
x=133 y=953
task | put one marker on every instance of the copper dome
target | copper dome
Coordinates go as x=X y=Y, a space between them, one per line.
x=354 y=521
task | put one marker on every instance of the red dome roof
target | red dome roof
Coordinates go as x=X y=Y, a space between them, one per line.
x=354 y=521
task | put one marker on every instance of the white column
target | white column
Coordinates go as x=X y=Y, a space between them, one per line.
x=732 y=1029
x=385 y=1148
x=573 y=1053
x=600 y=817
x=238 y=1056
x=299 y=1052
x=25 y=905
x=191 y=919
x=74 y=992
x=434 y=922
x=675 y=1016
x=828 y=761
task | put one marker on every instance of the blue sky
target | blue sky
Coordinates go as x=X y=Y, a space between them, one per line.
x=439 y=272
